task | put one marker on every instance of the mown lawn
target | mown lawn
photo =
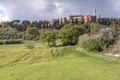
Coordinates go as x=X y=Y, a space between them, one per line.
x=60 y=63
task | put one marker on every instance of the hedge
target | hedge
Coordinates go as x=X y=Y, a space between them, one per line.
x=11 y=41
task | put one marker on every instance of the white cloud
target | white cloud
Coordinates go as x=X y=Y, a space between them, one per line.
x=117 y=5
x=60 y=8
x=22 y=9
x=35 y=4
x=3 y=14
x=48 y=9
x=63 y=9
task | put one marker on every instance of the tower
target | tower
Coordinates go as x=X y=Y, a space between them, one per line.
x=94 y=7
x=94 y=12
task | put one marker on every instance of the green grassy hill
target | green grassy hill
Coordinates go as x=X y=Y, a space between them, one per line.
x=61 y=63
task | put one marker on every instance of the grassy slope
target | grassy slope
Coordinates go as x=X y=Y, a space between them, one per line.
x=19 y=63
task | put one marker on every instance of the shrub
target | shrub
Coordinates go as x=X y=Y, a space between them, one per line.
x=1 y=42
x=94 y=28
x=94 y=43
x=82 y=39
x=115 y=49
x=11 y=41
x=100 y=41
x=108 y=35
x=10 y=33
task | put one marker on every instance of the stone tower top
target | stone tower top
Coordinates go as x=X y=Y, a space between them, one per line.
x=94 y=12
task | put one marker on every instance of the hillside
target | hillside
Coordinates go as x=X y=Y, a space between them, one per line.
x=61 y=63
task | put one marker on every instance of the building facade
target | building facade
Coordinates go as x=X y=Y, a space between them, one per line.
x=82 y=18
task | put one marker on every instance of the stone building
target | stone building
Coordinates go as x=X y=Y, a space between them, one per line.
x=75 y=19
x=82 y=18
x=79 y=18
x=89 y=18
x=62 y=21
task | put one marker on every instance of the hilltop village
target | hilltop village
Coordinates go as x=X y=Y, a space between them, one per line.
x=59 y=23
x=79 y=19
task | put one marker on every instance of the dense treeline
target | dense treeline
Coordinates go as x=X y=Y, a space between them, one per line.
x=23 y=25
x=67 y=32
x=11 y=41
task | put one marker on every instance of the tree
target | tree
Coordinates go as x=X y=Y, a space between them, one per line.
x=94 y=27
x=32 y=33
x=16 y=24
x=104 y=21
x=49 y=36
x=69 y=34
x=25 y=24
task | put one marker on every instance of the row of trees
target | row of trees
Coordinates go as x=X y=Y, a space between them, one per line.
x=22 y=26
x=68 y=33
x=108 y=21
x=56 y=24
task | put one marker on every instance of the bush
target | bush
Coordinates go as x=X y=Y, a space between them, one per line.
x=94 y=43
x=82 y=38
x=108 y=35
x=11 y=41
x=95 y=27
x=10 y=33
x=100 y=41
x=1 y=42
x=115 y=49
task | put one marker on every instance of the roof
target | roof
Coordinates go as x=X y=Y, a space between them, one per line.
x=76 y=15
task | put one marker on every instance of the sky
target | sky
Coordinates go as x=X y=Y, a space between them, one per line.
x=51 y=9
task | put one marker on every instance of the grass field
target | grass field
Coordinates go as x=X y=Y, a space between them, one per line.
x=61 y=63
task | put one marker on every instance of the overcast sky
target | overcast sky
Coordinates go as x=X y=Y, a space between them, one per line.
x=49 y=9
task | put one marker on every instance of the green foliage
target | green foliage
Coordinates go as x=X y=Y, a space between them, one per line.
x=25 y=24
x=4 y=24
x=11 y=41
x=69 y=34
x=32 y=33
x=94 y=27
x=104 y=21
x=85 y=28
x=1 y=42
x=108 y=35
x=10 y=33
x=49 y=36
x=94 y=43
x=116 y=28
x=82 y=39
x=100 y=41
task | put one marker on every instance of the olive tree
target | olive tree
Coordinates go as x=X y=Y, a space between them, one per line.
x=69 y=34
x=49 y=36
